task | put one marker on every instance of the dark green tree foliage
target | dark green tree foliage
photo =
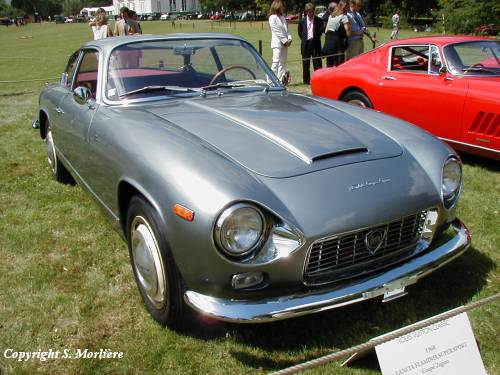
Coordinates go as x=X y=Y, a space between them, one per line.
x=7 y=11
x=462 y=17
x=409 y=8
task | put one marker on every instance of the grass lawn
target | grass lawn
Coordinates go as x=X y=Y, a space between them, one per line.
x=66 y=281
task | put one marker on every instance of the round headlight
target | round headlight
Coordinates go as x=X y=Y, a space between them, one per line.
x=239 y=229
x=452 y=181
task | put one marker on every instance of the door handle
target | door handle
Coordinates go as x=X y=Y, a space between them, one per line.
x=59 y=111
x=390 y=78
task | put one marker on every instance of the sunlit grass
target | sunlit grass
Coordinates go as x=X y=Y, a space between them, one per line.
x=66 y=282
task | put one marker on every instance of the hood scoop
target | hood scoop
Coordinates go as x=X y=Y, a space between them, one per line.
x=340 y=153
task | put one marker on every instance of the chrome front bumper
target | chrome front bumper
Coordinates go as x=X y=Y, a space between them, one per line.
x=390 y=284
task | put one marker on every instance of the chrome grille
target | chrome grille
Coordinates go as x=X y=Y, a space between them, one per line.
x=347 y=255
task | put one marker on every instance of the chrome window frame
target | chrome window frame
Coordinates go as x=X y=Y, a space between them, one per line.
x=429 y=46
x=105 y=65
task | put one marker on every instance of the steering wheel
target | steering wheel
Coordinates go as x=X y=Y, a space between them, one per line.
x=478 y=65
x=226 y=69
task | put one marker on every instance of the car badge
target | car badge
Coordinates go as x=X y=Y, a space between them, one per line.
x=368 y=184
x=374 y=240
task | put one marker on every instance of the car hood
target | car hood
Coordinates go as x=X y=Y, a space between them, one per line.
x=278 y=134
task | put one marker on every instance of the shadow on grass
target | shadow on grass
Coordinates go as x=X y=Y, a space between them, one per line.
x=321 y=334
x=478 y=161
x=10 y=94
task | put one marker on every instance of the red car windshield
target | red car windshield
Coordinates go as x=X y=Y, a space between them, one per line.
x=474 y=58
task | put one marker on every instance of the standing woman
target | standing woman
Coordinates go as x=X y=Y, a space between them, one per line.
x=280 y=40
x=99 y=25
x=338 y=29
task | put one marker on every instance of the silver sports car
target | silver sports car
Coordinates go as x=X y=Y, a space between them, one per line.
x=239 y=199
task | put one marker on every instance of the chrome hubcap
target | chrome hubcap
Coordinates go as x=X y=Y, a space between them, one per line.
x=51 y=152
x=147 y=261
x=357 y=102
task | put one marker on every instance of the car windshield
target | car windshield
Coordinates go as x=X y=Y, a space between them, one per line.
x=474 y=58
x=183 y=67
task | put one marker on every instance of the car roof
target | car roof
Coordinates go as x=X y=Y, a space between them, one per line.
x=439 y=40
x=107 y=44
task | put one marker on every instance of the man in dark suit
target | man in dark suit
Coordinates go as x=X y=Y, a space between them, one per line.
x=310 y=29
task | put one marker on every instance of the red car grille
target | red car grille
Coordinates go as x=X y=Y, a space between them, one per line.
x=486 y=124
x=347 y=255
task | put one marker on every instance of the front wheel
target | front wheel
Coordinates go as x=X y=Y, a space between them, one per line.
x=357 y=98
x=57 y=169
x=155 y=272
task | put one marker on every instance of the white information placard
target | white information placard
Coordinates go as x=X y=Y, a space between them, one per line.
x=444 y=348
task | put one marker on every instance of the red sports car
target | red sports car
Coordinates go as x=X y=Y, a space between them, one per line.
x=449 y=86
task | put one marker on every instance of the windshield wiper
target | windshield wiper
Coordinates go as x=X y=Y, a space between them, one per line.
x=224 y=85
x=146 y=89
x=246 y=83
x=478 y=69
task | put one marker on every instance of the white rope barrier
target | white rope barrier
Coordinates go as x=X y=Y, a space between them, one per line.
x=380 y=340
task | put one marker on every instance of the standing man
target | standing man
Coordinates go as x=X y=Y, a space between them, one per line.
x=126 y=26
x=395 y=25
x=355 y=45
x=310 y=30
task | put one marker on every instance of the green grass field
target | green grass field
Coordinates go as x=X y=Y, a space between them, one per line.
x=66 y=281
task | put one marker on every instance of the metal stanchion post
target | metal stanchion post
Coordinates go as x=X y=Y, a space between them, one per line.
x=260 y=46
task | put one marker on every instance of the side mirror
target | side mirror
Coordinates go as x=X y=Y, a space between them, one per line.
x=64 y=79
x=443 y=71
x=82 y=94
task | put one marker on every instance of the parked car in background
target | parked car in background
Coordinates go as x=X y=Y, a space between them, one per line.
x=292 y=17
x=238 y=199
x=58 y=18
x=490 y=29
x=69 y=19
x=446 y=85
x=247 y=16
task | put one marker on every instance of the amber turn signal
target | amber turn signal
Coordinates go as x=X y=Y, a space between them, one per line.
x=183 y=212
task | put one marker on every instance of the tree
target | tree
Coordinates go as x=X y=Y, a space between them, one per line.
x=464 y=16
x=71 y=7
x=8 y=11
x=44 y=8
x=408 y=8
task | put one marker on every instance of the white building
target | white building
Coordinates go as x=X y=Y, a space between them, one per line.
x=90 y=12
x=157 y=6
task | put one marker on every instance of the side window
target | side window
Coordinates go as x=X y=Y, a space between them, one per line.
x=410 y=59
x=87 y=71
x=70 y=69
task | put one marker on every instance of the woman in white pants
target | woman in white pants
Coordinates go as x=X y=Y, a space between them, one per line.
x=280 y=39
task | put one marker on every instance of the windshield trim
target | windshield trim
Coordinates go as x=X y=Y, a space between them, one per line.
x=105 y=68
